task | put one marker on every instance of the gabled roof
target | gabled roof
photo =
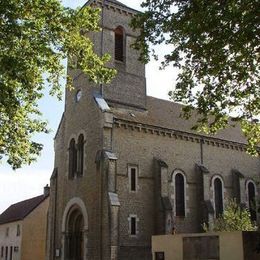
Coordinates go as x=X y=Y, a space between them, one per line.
x=20 y=210
x=166 y=114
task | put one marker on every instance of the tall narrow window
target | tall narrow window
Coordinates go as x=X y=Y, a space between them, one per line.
x=80 y=154
x=251 y=200
x=2 y=251
x=119 y=44
x=132 y=175
x=133 y=225
x=72 y=159
x=179 y=195
x=133 y=179
x=18 y=231
x=218 y=197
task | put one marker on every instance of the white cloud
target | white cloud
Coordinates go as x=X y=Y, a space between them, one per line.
x=21 y=185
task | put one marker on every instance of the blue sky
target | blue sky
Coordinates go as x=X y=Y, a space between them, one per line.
x=30 y=180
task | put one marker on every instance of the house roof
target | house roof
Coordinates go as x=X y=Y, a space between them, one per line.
x=166 y=114
x=20 y=210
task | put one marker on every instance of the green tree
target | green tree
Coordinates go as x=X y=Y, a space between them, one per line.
x=234 y=218
x=35 y=36
x=216 y=47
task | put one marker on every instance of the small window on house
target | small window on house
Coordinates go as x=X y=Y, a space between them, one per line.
x=80 y=154
x=180 y=195
x=2 y=251
x=18 y=231
x=133 y=176
x=119 y=44
x=251 y=193
x=72 y=159
x=218 y=197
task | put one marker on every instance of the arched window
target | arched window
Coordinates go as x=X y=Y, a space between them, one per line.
x=218 y=196
x=119 y=44
x=251 y=194
x=179 y=195
x=72 y=159
x=80 y=154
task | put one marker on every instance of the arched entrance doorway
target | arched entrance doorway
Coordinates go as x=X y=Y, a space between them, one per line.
x=74 y=230
x=75 y=239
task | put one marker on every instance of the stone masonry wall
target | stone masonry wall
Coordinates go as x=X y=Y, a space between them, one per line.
x=140 y=148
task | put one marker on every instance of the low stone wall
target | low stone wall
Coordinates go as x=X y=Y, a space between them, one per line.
x=212 y=246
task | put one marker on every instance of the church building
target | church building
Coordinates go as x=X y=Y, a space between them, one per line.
x=128 y=167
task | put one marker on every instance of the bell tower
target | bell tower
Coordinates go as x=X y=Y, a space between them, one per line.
x=128 y=88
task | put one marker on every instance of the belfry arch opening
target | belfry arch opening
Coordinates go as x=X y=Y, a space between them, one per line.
x=119 y=44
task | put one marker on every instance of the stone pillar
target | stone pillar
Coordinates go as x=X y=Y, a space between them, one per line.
x=164 y=180
x=208 y=209
x=114 y=225
x=239 y=188
x=243 y=196
x=114 y=204
x=112 y=176
x=85 y=239
x=207 y=192
x=163 y=207
x=64 y=245
x=108 y=131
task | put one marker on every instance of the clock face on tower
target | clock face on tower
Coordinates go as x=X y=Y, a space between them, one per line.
x=78 y=95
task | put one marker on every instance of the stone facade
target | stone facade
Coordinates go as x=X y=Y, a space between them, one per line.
x=134 y=147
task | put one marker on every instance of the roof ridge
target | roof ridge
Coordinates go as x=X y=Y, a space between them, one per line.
x=22 y=201
x=21 y=209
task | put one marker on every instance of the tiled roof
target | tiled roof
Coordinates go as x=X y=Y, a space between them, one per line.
x=166 y=114
x=20 y=210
